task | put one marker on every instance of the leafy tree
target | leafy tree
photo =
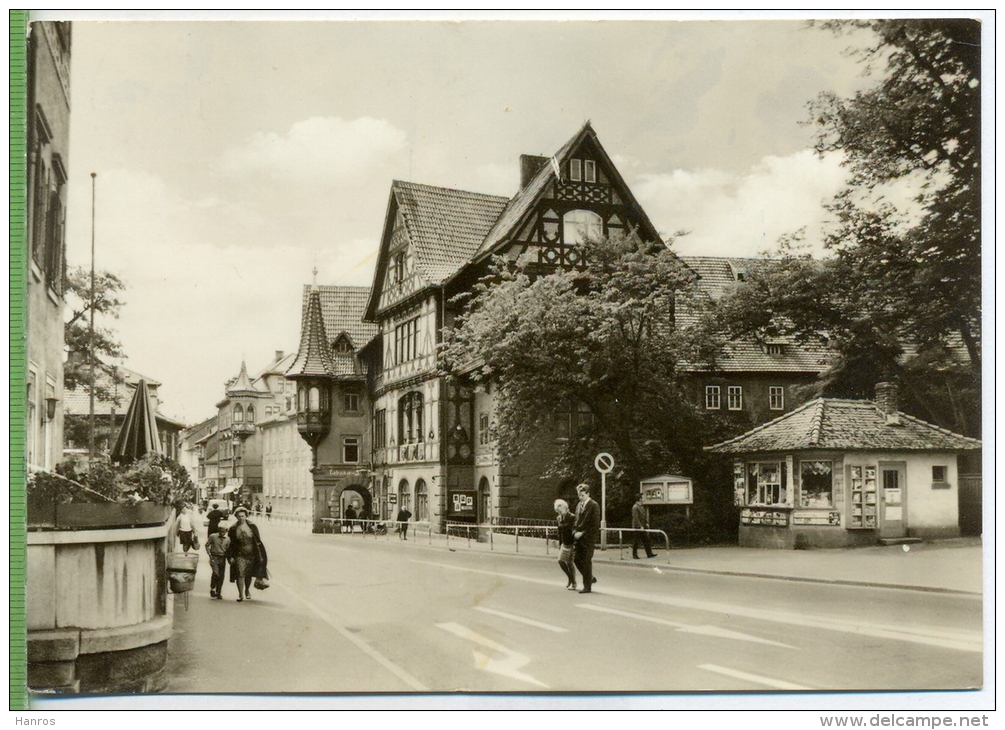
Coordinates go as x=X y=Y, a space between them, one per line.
x=615 y=339
x=107 y=287
x=900 y=295
x=919 y=125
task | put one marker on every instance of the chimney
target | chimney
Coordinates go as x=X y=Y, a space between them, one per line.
x=529 y=166
x=279 y=355
x=887 y=402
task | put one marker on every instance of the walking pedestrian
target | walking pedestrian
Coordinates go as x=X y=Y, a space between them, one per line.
x=640 y=523
x=349 y=518
x=258 y=509
x=186 y=525
x=565 y=541
x=215 y=517
x=216 y=545
x=268 y=511
x=403 y=517
x=246 y=554
x=586 y=533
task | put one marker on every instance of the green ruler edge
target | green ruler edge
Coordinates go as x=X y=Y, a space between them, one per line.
x=18 y=298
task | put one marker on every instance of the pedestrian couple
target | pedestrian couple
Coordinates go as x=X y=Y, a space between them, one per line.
x=577 y=536
x=241 y=546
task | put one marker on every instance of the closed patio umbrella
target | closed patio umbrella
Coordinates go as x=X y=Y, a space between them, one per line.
x=138 y=435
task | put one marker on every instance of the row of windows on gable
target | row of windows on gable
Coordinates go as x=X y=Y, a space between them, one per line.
x=582 y=170
x=734 y=397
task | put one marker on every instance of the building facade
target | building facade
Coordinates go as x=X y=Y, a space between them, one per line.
x=48 y=138
x=838 y=473
x=432 y=441
x=109 y=414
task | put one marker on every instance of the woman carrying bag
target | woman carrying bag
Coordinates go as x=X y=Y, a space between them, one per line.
x=246 y=555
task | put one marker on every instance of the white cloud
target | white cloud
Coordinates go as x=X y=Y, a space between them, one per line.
x=319 y=147
x=743 y=214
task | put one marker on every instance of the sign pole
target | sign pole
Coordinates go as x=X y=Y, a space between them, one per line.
x=604 y=463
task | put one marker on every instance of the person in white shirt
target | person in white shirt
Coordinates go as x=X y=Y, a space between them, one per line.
x=186 y=527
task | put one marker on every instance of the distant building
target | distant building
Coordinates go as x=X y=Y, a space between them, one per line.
x=238 y=441
x=334 y=413
x=109 y=413
x=48 y=138
x=751 y=382
x=835 y=473
x=191 y=455
x=287 y=482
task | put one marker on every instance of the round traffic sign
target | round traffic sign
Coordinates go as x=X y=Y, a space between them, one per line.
x=604 y=462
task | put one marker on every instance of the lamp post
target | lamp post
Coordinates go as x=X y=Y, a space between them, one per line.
x=90 y=346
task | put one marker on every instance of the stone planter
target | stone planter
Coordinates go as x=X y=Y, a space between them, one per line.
x=97 y=609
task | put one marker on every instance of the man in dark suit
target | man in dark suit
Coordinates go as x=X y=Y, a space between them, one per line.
x=586 y=532
x=640 y=523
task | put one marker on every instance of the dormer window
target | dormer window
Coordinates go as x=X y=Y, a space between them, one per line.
x=773 y=348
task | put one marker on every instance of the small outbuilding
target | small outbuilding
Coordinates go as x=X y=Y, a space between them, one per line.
x=837 y=473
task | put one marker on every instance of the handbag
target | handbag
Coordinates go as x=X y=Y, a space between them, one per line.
x=195 y=540
x=261 y=583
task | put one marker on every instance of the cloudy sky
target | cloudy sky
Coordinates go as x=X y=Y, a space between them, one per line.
x=234 y=157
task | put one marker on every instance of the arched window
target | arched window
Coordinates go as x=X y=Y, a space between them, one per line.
x=582 y=225
x=404 y=496
x=238 y=414
x=302 y=399
x=410 y=418
x=421 y=502
x=251 y=414
x=314 y=403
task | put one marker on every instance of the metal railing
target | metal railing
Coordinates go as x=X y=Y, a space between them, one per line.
x=524 y=536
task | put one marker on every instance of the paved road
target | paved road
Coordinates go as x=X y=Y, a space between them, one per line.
x=348 y=615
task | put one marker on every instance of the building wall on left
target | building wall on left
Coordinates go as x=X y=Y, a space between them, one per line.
x=48 y=156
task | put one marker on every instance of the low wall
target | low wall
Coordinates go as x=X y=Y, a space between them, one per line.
x=97 y=610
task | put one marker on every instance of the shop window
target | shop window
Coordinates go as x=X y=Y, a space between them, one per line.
x=766 y=482
x=712 y=402
x=776 y=398
x=816 y=484
x=734 y=394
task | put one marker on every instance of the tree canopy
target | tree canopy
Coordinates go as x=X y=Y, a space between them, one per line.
x=613 y=341
x=920 y=125
x=77 y=334
x=900 y=296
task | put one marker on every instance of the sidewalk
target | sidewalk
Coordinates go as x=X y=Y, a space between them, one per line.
x=953 y=566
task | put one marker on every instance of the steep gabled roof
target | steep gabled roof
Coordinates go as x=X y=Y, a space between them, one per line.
x=524 y=201
x=445 y=228
x=845 y=425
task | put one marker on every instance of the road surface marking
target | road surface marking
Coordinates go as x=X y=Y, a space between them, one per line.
x=360 y=644
x=686 y=628
x=507 y=666
x=755 y=678
x=521 y=619
x=961 y=641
